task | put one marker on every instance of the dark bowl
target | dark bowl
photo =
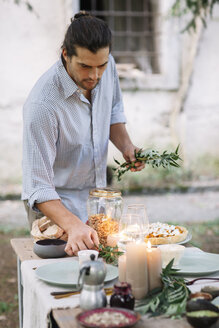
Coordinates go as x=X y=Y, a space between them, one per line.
x=50 y=248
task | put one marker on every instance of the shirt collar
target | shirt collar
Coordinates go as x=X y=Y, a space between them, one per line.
x=69 y=86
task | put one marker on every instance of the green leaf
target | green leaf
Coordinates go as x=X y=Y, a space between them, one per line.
x=115 y=160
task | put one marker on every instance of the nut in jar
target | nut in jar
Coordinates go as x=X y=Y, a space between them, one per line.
x=104 y=211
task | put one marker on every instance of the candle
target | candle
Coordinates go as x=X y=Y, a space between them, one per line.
x=154 y=267
x=122 y=268
x=112 y=240
x=136 y=269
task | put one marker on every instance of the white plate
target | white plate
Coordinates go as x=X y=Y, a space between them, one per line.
x=188 y=238
x=66 y=273
x=198 y=264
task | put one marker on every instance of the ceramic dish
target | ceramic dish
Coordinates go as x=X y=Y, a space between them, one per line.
x=50 y=248
x=66 y=274
x=199 y=263
x=87 y=318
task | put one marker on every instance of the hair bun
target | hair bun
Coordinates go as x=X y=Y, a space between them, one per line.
x=82 y=13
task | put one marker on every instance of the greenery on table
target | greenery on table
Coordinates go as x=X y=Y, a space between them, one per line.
x=149 y=157
x=197 y=9
x=169 y=300
x=110 y=254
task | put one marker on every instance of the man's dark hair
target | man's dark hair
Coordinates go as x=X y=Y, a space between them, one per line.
x=88 y=32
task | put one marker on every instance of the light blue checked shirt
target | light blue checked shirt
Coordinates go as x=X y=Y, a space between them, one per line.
x=65 y=138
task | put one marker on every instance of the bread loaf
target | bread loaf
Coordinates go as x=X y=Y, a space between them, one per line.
x=45 y=228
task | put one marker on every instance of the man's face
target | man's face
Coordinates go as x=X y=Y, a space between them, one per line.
x=86 y=68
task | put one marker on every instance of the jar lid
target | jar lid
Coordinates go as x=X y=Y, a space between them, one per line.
x=105 y=192
x=122 y=287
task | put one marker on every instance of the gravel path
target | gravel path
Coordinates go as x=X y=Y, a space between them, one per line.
x=190 y=207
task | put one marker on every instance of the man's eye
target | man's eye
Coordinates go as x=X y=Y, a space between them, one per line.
x=84 y=66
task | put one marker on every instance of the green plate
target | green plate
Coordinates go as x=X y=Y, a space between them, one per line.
x=66 y=273
x=198 y=264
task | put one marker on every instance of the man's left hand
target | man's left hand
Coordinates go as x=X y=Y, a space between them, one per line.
x=129 y=155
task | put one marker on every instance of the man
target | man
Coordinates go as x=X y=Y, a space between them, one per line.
x=69 y=117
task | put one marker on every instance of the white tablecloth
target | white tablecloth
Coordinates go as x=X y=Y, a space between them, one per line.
x=37 y=301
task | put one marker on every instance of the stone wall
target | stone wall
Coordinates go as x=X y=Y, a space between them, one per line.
x=30 y=44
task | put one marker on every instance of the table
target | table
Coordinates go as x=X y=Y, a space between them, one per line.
x=65 y=318
x=23 y=248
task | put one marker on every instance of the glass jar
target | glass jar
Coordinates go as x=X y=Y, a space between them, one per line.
x=104 y=208
x=122 y=296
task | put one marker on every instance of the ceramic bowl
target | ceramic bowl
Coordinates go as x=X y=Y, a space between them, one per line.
x=49 y=248
x=171 y=251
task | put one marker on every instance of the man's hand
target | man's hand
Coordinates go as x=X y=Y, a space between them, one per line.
x=120 y=138
x=129 y=155
x=81 y=237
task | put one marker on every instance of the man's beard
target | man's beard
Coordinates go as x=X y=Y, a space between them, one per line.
x=85 y=86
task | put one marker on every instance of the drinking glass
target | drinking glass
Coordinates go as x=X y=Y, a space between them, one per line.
x=132 y=228
x=140 y=211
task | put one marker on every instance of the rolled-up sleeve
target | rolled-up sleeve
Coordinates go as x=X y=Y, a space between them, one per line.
x=117 y=115
x=40 y=135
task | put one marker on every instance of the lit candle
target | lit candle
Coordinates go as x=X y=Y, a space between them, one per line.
x=112 y=240
x=122 y=268
x=154 y=266
x=136 y=269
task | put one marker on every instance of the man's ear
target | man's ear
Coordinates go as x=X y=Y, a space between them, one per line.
x=64 y=54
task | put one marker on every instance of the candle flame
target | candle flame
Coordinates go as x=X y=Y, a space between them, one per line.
x=148 y=244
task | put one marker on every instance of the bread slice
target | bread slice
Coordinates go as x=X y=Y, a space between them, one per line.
x=53 y=232
x=44 y=223
x=35 y=231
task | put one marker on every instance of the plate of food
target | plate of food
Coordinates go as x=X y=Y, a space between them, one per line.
x=66 y=273
x=108 y=318
x=164 y=233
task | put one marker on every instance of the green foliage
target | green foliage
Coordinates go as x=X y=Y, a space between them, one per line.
x=110 y=254
x=196 y=9
x=5 y=307
x=204 y=168
x=149 y=157
x=24 y=2
x=170 y=300
x=18 y=232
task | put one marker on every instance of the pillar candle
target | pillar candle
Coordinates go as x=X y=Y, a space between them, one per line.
x=154 y=262
x=122 y=268
x=136 y=269
x=112 y=240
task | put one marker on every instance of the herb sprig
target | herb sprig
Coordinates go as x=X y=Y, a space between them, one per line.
x=151 y=157
x=170 y=300
x=110 y=254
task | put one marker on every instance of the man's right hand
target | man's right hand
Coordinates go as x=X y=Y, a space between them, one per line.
x=81 y=237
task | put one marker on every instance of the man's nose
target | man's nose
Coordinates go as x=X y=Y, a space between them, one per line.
x=94 y=74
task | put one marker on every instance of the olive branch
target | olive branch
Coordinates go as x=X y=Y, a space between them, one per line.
x=150 y=157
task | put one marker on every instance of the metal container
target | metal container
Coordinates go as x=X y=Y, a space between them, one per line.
x=92 y=295
x=104 y=208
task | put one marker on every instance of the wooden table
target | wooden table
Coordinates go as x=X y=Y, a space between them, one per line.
x=23 y=247
x=65 y=318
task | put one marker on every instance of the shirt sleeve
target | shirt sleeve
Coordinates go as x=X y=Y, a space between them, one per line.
x=117 y=115
x=40 y=135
